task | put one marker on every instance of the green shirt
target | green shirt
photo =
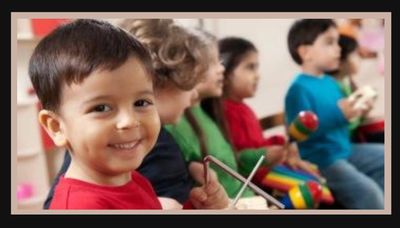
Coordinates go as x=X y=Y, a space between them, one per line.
x=345 y=86
x=217 y=146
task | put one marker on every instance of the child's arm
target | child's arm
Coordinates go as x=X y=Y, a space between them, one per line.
x=295 y=162
x=347 y=106
x=248 y=158
x=238 y=130
x=298 y=99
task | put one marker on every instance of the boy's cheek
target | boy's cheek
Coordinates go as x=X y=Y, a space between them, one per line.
x=153 y=125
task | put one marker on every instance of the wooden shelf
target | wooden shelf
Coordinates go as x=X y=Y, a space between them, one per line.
x=35 y=202
x=27 y=38
x=28 y=153
x=27 y=101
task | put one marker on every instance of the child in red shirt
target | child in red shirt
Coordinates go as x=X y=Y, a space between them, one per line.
x=240 y=58
x=95 y=82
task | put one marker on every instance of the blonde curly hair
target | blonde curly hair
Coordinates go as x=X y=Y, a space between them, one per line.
x=179 y=55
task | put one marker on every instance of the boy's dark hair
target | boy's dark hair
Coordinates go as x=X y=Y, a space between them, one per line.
x=73 y=51
x=348 y=45
x=306 y=31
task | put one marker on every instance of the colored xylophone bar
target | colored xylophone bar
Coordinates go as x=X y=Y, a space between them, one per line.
x=283 y=179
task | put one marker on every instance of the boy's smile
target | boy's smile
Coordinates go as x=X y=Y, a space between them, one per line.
x=127 y=149
x=110 y=122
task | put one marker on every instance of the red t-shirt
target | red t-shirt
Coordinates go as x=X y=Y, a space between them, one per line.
x=245 y=129
x=76 y=194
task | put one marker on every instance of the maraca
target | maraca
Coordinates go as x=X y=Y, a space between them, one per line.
x=303 y=126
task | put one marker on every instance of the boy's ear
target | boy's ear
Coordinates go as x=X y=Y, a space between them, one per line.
x=51 y=122
x=303 y=51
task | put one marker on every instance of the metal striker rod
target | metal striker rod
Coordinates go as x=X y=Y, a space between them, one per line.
x=247 y=181
x=227 y=169
x=205 y=168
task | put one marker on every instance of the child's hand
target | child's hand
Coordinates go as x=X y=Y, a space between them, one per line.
x=347 y=107
x=210 y=196
x=295 y=162
x=369 y=105
x=275 y=155
x=196 y=170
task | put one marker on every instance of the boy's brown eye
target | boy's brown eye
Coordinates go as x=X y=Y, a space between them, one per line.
x=101 y=108
x=142 y=103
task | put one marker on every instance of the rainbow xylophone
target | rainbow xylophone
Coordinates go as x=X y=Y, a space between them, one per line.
x=282 y=178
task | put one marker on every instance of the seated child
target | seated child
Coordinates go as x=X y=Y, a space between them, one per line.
x=354 y=172
x=95 y=82
x=349 y=64
x=240 y=58
x=165 y=167
x=198 y=135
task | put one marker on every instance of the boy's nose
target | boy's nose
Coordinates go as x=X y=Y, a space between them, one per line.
x=126 y=120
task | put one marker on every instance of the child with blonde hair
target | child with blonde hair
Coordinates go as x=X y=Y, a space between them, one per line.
x=181 y=56
x=198 y=135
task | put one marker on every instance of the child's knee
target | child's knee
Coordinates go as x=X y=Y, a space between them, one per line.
x=372 y=196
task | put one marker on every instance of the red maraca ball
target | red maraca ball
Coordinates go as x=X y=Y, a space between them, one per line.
x=309 y=120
